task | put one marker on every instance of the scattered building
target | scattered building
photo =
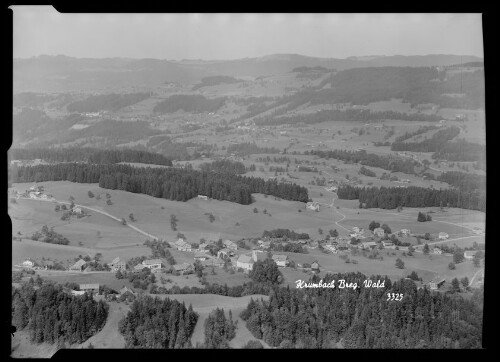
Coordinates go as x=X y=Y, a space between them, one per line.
x=182 y=245
x=152 y=264
x=331 y=248
x=78 y=266
x=28 y=263
x=139 y=268
x=437 y=251
x=77 y=210
x=312 y=206
x=436 y=283
x=183 y=268
x=117 y=264
x=203 y=197
x=280 y=260
x=94 y=288
x=443 y=236
x=201 y=256
x=259 y=255
x=245 y=262
x=369 y=245
x=215 y=262
x=230 y=244
x=405 y=232
x=315 y=267
x=469 y=254
x=379 y=232
x=126 y=291
x=225 y=253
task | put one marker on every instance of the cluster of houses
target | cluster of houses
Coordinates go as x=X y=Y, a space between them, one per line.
x=34 y=192
x=247 y=261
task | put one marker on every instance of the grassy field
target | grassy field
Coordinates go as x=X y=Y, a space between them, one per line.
x=102 y=278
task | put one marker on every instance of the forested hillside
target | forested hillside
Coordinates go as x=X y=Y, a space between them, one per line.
x=189 y=103
x=216 y=80
x=172 y=184
x=364 y=317
x=106 y=102
x=90 y=155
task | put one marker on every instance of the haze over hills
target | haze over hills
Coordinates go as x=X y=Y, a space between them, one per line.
x=61 y=73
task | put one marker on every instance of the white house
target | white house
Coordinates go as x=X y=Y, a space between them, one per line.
x=312 y=206
x=78 y=266
x=437 y=251
x=245 y=262
x=469 y=254
x=152 y=264
x=77 y=210
x=203 y=197
x=281 y=260
x=225 y=253
x=369 y=245
x=28 y=263
x=443 y=236
x=89 y=287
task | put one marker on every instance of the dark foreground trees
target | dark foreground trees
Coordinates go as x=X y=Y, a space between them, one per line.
x=364 y=318
x=52 y=316
x=156 y=323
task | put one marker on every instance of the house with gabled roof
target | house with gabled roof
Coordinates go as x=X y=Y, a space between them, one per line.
x=90 y=287
x=152 y=263
x=245 y=262
x=230 y=244
x=78 y=266
x=117 y=264
x=183 y=268
x=280 y=260
x=182 y=245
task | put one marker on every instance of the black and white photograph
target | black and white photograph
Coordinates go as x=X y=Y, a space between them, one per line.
x=246 y=181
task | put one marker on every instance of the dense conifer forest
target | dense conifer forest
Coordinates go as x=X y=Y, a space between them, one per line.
x=247 y=148
x=90 y=155
x=219 y=330
x=216 y=80
x=171 y=184
x=461 y=150
x=52 y=316
x=364 y=317
x=224 y=166
x=413 y=196
x=156 y=323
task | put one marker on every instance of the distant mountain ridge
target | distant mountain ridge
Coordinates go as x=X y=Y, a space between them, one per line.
x=62 y=73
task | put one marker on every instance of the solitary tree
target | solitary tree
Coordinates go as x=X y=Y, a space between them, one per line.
x=373 y=225
x=451 y=266
x=426 y=249
x=458 y=256
x=455 y=285
x=465 y=282
x=477 y=259
x=91 y=194
x=124 y=222
x=421 y=217
x=400 y=264
x=255 y=210
x=320 y=231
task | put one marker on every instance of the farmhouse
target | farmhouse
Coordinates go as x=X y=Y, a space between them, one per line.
x=315 y=267
x=78 y=266
x=126 y=291
x=152 y=264
x=387 y=244
x=245 y=262
x=443 y=236
x=219 y=263
x=281 y=260
x=201 y=256
x=469 y=254
x=332 y=248
x=77 y=210
x=181 y=245
x=225 y=253
x=89 y=287
x=437 y=251
x=312 y=206
x=369 y=245
x=117 y=264
x=265 y=245
x=404 y=232
x=183 y=268
x=77 y=292
x=259 y=255
x=28 y=263
x=138 y=268
x=436 y=283
x=203 y=197
x=379 y=232
x=230 y=244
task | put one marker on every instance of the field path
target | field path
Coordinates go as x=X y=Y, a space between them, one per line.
x=475 y=275
x=100 y=212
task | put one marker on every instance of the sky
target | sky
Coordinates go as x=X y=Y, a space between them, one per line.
x=42 y=30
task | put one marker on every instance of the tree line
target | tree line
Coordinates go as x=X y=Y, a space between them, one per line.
x=52 y=316
x=413 y=196
x=172 y=184
x=224 y=166
x=249 y=148
x=432 y=144
x=389 y=162
x=108 y=102
x=90 y=155
x=188 y=103
x=364 y=317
